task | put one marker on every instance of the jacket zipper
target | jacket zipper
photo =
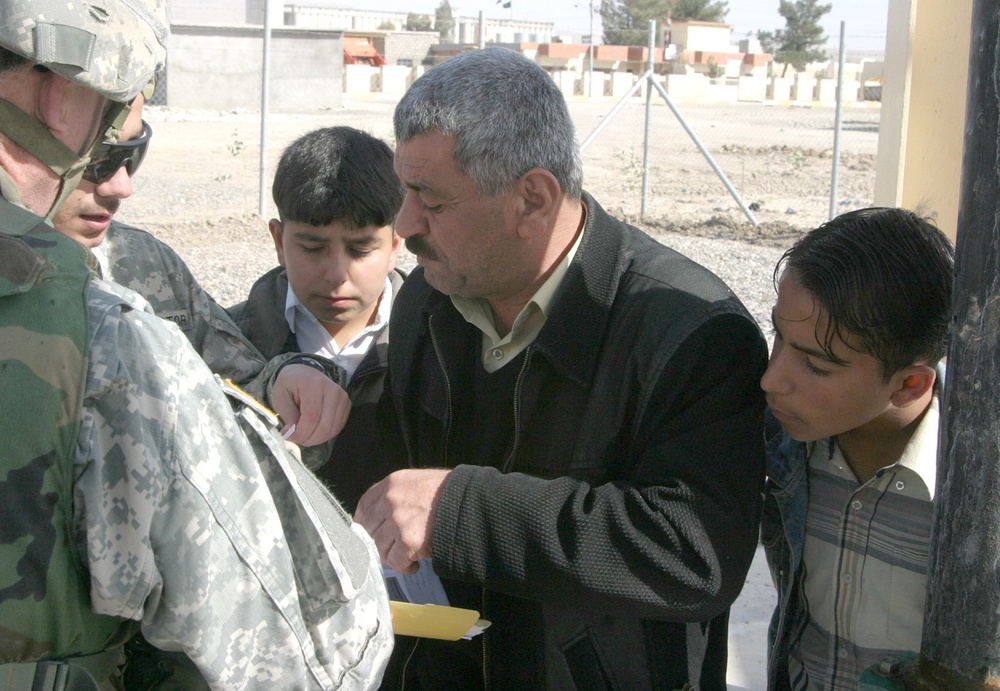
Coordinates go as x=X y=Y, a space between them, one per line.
x=447 y=390
x=503 y=469
x=504 y=466
x=517 y=411
x=447 y=433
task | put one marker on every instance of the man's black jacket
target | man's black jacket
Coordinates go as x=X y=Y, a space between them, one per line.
x=609 y=536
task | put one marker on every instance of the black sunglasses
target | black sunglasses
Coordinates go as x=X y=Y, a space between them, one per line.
x=108 y=157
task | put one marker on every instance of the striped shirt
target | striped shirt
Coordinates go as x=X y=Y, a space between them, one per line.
x=865 y=561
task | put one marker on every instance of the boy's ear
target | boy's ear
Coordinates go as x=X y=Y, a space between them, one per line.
x=277 y=233
x=538 y=195
x=914 y=382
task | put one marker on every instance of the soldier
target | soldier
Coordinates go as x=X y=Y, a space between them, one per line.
x=130 y=492
x=310 y=399
x=139 y=261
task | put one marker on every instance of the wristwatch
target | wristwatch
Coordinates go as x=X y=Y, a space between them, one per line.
x=331 y=369
x=308 y=361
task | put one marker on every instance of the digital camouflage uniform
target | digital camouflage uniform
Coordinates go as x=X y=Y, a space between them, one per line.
x=132 y=492
x=137 y=260
x=140 y=262
x=44 y=601
x=178 y=526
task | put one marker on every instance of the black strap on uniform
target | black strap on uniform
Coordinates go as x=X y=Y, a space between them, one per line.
x=45 y=675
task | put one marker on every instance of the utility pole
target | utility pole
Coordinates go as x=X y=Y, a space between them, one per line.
x=960 y=647
x=590 y=50
x=265 y=90
x=961 y=638
x=590 y=82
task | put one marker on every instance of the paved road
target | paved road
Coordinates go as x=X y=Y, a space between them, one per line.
x=748 y=629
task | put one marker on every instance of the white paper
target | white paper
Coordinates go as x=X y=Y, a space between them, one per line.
x=422 y=588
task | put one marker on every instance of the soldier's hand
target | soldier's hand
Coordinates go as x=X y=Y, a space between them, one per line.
x=312 y=402
x=399 y=514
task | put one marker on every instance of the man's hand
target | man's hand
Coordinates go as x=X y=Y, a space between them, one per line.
x=399 y=514
x=309 y=400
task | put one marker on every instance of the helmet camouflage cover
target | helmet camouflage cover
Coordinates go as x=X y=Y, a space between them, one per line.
x=111 y=46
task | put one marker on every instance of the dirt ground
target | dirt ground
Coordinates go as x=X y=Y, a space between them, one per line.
x=199 y=186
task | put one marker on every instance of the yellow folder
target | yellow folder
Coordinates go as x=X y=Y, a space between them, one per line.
x=433 y=621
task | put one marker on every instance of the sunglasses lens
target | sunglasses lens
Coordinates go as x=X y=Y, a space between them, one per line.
x=99 y=171
x=108 y=157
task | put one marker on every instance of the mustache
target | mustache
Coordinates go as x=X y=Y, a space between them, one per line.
x=108 y=206
x=419 y=246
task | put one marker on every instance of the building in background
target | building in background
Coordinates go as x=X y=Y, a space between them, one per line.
x=320 y=53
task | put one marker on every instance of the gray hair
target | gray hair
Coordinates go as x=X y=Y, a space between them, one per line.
x=506 y=114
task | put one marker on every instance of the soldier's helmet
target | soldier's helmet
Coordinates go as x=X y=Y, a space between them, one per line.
x=111 y=46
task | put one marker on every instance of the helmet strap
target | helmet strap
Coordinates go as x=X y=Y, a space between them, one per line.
x=35 y=138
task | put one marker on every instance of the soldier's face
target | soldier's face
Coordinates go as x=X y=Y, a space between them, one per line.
x=71 y=113
x=86 y=214
x=83 y=110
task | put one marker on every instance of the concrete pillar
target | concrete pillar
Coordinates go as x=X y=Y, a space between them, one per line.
x=923 y=107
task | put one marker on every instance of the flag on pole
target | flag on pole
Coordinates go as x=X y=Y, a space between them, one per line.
x=504 y=3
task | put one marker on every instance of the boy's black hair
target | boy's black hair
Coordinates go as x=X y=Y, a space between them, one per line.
x=337 y=174
x=884 y=278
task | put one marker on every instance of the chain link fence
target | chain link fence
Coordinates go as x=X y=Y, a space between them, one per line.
x=777 y=158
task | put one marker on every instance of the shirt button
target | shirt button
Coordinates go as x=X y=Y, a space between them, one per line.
x=848 y=578
x=856 y=505
x=498 y=353
x=900 y=485
x=842 y=652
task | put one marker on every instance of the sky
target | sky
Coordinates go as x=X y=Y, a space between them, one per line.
x=864 y=28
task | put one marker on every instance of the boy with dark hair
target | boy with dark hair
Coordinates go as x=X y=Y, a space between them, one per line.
x=337 y=196
x=860 y=326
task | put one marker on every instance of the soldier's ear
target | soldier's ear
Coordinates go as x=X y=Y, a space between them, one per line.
x=49 y=96
x=58 y=103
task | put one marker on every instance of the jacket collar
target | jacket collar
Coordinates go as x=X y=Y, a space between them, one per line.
x=574 y=331
x=18 y=221
x=262 y=318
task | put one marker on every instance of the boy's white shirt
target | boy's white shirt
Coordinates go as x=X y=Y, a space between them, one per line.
x=314 y=338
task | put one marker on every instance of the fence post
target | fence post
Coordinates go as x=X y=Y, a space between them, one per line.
x=649 y=79
x=835 y=175
x=265 y=90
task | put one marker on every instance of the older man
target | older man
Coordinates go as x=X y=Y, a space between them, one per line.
x=130 y=492
x=577 y=405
